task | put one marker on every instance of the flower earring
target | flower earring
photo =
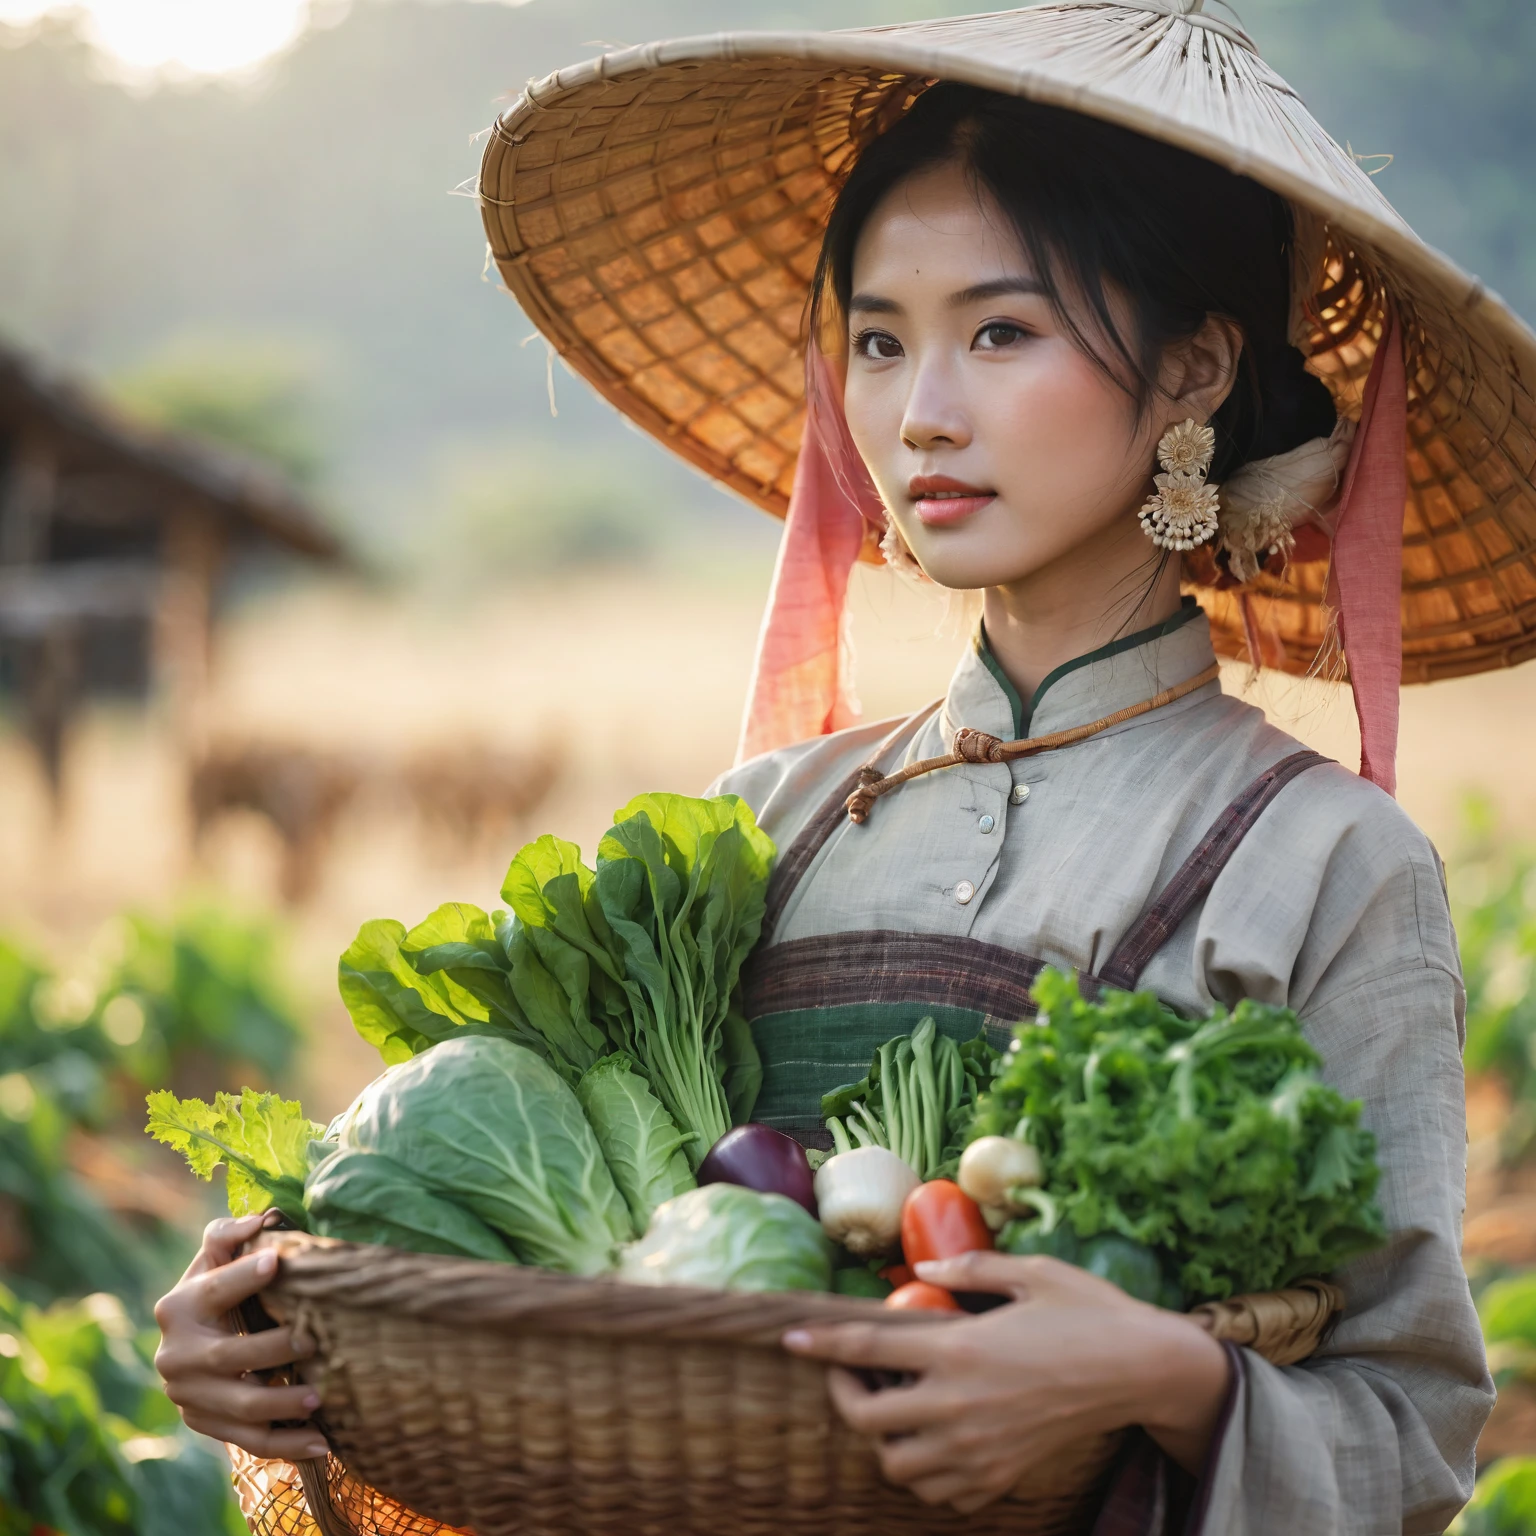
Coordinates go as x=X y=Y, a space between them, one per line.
x=1183 y=513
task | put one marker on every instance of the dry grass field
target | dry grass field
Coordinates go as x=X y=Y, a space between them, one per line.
x=630 y=682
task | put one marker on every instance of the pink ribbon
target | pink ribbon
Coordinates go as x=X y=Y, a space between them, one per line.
x=802 y=682
x=1367 y=572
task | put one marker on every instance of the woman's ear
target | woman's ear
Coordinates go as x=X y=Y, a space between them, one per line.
x=1198 y=374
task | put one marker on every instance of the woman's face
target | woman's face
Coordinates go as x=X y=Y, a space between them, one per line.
x=996 y=444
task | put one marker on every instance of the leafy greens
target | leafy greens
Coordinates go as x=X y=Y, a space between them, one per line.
x=1211 y=1141
x=732 y=1239
x=263 y=1142
x=643 y=954
x=641 y=1145
x=917 y=1099
x=365 y=1197
x=491 y=1127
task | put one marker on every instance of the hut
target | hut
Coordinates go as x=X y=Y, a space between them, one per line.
x=114 y=543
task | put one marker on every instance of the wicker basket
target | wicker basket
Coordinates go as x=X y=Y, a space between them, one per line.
x=459 y=1395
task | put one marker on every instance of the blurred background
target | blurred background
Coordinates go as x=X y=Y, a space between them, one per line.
x=323 y=587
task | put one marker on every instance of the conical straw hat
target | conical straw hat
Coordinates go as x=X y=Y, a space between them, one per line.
x=658 y=212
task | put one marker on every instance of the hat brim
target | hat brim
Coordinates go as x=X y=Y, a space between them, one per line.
x=658 y=211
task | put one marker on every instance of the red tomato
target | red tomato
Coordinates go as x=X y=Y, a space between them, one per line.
x=919 y=1296
x=898 y=1275
x=941 y=1221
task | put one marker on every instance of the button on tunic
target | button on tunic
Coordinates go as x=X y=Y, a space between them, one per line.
x=1334 y=905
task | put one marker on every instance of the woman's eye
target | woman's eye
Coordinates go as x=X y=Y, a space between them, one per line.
x=879 y=346
x=999 y=333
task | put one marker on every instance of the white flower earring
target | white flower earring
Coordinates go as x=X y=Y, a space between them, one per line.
x=1183 y=513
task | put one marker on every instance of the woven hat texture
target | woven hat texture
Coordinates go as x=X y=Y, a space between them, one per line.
x=657 y=211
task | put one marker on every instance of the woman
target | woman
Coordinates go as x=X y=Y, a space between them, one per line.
x=1054 y=361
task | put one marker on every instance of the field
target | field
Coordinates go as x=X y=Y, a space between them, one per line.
x=626 y=681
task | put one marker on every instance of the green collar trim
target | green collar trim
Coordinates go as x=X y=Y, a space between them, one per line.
x=1023 y=714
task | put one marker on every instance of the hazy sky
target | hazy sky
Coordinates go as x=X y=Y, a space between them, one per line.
x=205 y=36
x=201 y=36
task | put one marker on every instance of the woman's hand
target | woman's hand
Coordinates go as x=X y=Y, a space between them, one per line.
x=205 y=1363
x=1007 y=1390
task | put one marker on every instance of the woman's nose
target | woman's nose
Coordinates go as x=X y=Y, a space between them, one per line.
x=935 y=414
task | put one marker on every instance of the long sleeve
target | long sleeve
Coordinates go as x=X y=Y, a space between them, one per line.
x=1376 y=1433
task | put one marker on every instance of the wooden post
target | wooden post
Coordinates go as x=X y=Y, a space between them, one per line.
x=193 y=543
x=26 y=500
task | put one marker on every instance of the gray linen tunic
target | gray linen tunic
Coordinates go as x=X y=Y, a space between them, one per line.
x=1334 y=905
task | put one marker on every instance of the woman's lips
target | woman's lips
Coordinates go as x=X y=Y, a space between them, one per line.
x=939 y=500
x=936 y=511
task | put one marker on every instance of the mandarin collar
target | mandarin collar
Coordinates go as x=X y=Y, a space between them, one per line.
x=1110 y=678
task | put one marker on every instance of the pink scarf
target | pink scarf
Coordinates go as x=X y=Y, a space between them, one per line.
x=802 y=680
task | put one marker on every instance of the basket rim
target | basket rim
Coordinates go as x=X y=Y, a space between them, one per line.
x=472 y=1295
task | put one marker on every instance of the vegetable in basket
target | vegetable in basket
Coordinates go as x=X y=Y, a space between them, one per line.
x=640 y=955
x=263 y=1142
x=408 y=990
x=859 y=1196
x=761 y=1158
x=648 y=947
x=640 y=1143
x=1211 y=1142
x=732 y=1239
x=492 y=1127
x=919 y=1296
x=940 y=1221
x=917 y=1099
x=365 y=1197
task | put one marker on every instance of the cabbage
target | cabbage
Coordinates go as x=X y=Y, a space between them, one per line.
x=365 y=1197
x=641 y=1145
x=491 y=1127
x=731 y=1239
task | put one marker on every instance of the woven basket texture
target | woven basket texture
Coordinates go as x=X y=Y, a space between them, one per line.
x=514 y=1402
x=658 y=212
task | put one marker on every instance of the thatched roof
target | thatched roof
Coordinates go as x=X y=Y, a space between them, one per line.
x=102 y=455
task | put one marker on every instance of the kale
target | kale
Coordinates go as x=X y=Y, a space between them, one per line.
x=1211 y=1141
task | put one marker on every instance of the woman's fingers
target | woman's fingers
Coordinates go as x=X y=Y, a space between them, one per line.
x=1035 y=1278
x=223 y=1239
x=242 y=1402
x=222 y=1289
x=192 y=1353
x=947 y=1488
x=234 y=1354
x=891 y=1349
x=1000 y=1273
x=889 y=1411
x=205 y=1298
x=261 y=1440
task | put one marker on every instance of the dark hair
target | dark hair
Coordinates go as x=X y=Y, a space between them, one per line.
x=1099 y=207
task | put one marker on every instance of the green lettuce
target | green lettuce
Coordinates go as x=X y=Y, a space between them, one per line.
x=641 y=1144
x=263 y=1142
x=731 y=1239
x=365 y=1197
x=489 y=1125
x=447 y=977
x=1211 y=1141
x=682 y=885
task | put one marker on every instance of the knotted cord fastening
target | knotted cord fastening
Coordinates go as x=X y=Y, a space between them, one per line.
x=973 y=746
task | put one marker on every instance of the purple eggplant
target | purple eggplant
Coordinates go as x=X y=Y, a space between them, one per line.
x=761 y=1158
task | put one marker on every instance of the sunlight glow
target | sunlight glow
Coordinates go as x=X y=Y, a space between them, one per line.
x=196 y=36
